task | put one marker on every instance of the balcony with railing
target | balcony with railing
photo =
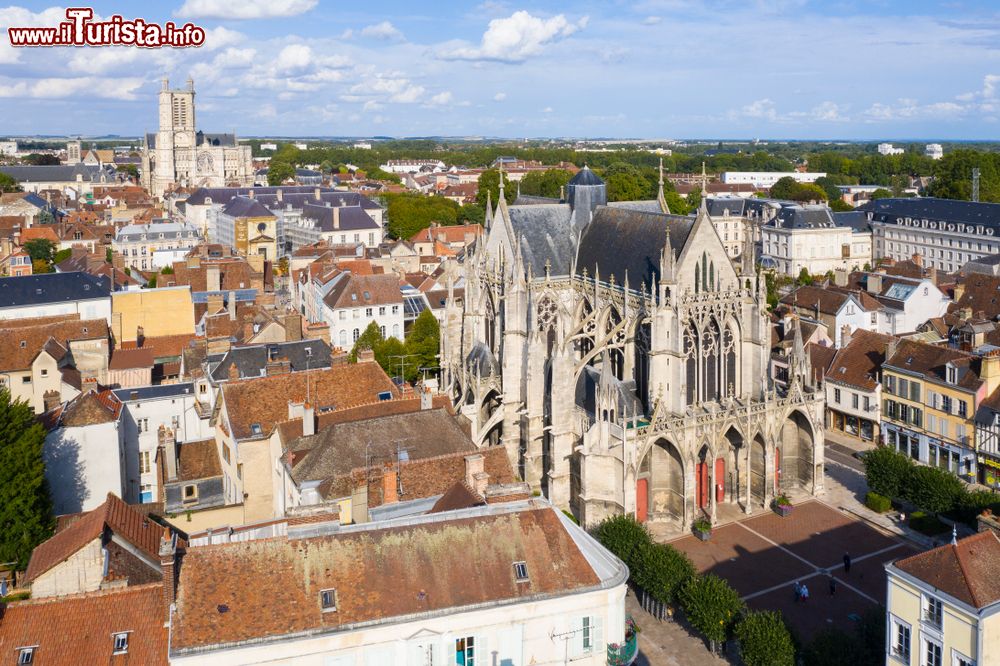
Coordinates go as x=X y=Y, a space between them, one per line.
x=625 y=653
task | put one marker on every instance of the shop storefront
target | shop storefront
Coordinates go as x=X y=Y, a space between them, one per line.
x=855 y=426
x=989 y=471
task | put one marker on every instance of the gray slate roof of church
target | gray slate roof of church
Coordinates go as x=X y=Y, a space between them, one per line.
x=619 y=240
x=546 y=234
x=648 y=206
x=585 y=177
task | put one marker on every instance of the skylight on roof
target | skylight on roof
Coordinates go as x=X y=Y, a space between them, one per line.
x=521 y=572
x=328 y=600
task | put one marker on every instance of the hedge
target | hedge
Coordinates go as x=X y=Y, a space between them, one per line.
x=877 y=503
x=623 y=536
x=926 y=524
x=662 y=570
x=933 y=489
x=765 y=640
x=887 y=471
x=711 y=606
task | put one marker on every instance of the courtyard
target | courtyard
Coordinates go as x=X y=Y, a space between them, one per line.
x=764 y=555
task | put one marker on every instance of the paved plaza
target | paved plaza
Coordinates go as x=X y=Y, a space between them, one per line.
x=762 y=557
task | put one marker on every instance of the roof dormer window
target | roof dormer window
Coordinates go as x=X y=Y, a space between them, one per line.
x=328 y=600
x=26 y=655
x=121 y=642
x=951 y=374
x=521 y=572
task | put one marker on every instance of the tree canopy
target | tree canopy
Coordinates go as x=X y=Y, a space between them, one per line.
x=489 y=181
x=792 y=190
x=548 y=183
x=40 y=249
x=25 y=506
x=420 y=347
x=8 y=184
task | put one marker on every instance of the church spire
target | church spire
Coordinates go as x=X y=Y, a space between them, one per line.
x=667 y=259
x=704 y=181
x=660 y=198
x=488 y=222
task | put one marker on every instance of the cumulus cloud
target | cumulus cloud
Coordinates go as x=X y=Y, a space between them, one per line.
x=56 y=88
x=384 y=30
x=908 y=109
x=499 y=97
x=244 y=9
x=441 y=99
x=761 y=108
x=829 y=111
x=386 y=88
x=547 y=109
x=652 y=20
x=294 y=58
x=517 y=37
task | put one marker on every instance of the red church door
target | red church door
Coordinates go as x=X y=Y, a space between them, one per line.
x=642 y=500
x=720 y=480
x=702 y=490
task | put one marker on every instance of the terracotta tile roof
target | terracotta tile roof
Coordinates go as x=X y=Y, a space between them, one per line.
x=264 y=400
x=449 y=234
x=26 y=338
x=808 y=297
x=358 y=266
x=981 y=295
x=163 y=346
x=38 y=232
x=362 y=290
x=459 y=496
x=92 y=407
x=234 y=273
x=930 y=361
x=966 y=570
x=124 y=359
x=198 y=460
x=79 y=629
x=114 y=514
x=433 y=565
x=860 y=361
x=820 y=358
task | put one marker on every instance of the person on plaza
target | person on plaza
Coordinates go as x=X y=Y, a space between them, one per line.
x=833 y=586
x=847 y=563
x=805 y=592
x=798 y=591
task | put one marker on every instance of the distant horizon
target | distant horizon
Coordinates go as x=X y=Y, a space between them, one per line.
x=796 y=69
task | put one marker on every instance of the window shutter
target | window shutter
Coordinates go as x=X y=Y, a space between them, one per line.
x=511 y=646
x=482 y=653
x=597 y=635
x=576 y=641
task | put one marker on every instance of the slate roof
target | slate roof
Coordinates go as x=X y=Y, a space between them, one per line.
x=44 y=288
x=585 y=177
x=80 y=628
x=619 y=240
x=429 y=565
x=930 y=361
x=348 y=218
x=115 y=515
x=169 y=230
x=295 y=196
x=793 y=216
x=56 y=173
x=480 y=359
x=242 y=206
x=252 y=361
x=264 y=401
x=965 y=570
x=808 y=296
x=588 y=385
x=948 y=210
x=717 y=206
x=546 y=234
x=855 y=219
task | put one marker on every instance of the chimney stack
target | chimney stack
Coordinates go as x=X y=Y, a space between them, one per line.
x=475 y=464
x=845 y=335
x=213 y=279
x=316 y=193
x=390 y=489
x=279 y=194
x=232 y=306
x=426 y=399
x=336 y=218
x=874 y=283
x=168 y=442
x=168 y=564
x=250 y=193
x=308 y=420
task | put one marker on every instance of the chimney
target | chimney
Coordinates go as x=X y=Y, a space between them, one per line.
x=232 y=306
x=874 y=285
x=390 y=489
x=365 y=355
x=890 y=349
x=308 y=420
x=918 y=259
x=316 y=194
x=990 y=370
x=213 y=280
x=959 y=291
x=845 y=335
x=426 y=399
x=279 y=194
x=840 y=277
x=475 y=464
x=234 y=372
x=168 y=563
x=336 y=218
x=250 y=193
x=168 y=442
x=215 y=302
x=932 y=274
x=479 y=483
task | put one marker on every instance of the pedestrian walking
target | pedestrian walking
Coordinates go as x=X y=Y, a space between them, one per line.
x=833 y=586
x=847 y=563
x=797 y=588
x=805 y=593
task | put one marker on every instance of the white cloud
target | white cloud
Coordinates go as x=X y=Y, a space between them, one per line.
x=372 y=105
x=500 y=96
x=908 y=109
x=244 y=9
x=829 y=111
x=56 y=88
x=652 y=20
x=441 y=99
x=347 y=34
x=547 y=109
x=517 y=37
x=386 y=88
x=383 y=30
x=294 y=58
x=761 y=108
x=220 y=38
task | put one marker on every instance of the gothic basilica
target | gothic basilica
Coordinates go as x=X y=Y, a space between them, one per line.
x=621 y=357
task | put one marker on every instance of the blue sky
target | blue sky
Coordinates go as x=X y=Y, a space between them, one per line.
x=847 y=69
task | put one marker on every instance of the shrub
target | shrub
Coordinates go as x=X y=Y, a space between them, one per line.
x=782 y=500
x=926 y=524
x=703 y=525
x=877 y=503
x=623 y=536
x=833 y=647
x=765 y=640
x=661 y=570
x=886 y=471
x=932 y=489
x=711 y=605
x=16 y=596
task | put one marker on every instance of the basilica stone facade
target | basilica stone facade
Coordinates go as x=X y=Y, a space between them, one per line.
x=621 y=356
x=178 y=154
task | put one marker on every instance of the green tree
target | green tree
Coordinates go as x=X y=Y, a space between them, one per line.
x=677 y=204
x=40 y=249
x=881 y=193
x=151 y=283
x=409 y=213
x=489 y=181
x=8 y=184
x=387 y=353
x=370 y=338
x=423 y=344
x=784 y=188
x=25 y=506
x=62 y=255
x=693 y=199
x=809 y=192
x=932 y=489
x=711 y=606
x=624 y=536
x=804 y=277
x=109 y=255
x=833 y=647
x=765 y=640
x=840 y=206
x=887 y=471
x=546 y=183
x=130 y=170
x=279 y=171
x=661 y=570
x=37 y=159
